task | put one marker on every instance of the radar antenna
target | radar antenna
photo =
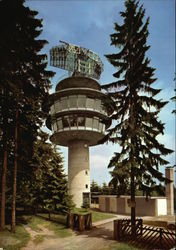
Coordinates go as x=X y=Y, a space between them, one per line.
x=76 y=60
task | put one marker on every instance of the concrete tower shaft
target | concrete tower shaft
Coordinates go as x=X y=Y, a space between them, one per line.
x=79 y=171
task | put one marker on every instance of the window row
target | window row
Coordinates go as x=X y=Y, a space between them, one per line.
x=78 y=102
x=74 y=122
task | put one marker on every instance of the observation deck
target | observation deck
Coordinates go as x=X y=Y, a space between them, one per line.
x=77 y=111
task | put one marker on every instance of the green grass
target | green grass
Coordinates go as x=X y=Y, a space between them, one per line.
x=39 y=239
x=10 y=241
x=59 y=229
x=119 y=246
x=81 y=211
x=33 y=221
x=96 y=216
x=54 y=217
x=14 y=241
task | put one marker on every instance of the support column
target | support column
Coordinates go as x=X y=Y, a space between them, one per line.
x=169 y=172
x=79 y=172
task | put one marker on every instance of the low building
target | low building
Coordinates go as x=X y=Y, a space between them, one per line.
x=154 y=206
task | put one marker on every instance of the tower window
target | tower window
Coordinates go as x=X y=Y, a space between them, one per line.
x=86 y=172
x=86 y=186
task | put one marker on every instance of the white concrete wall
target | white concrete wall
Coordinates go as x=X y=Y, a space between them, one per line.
x=102 y=203
x=162 y=206
x=127 y=207
x=78 y=170
x=113 y=204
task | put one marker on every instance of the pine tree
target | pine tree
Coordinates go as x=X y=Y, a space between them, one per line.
x=174 y=99
x=94 y=187
x=137 y=108
x=23 y=77
x=48 y=184
x=105 y=189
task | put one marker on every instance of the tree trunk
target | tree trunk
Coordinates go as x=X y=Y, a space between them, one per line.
x=4 y=167
x=3 y=188
x=132 y=177
x=49 y=215
x=133 y=204
x=13 y=222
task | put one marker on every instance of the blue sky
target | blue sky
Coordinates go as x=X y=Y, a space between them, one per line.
x=89 y=24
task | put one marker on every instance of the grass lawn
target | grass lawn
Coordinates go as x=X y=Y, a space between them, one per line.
x=59 y=229
x=10 y=241
x=120 y=246
x=14 y=241
x=54 y=217
x=39 y=239
x=96 y=216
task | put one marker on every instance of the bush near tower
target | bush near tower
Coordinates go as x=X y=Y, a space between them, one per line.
x=48 y=186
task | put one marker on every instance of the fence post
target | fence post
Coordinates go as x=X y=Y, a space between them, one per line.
x=81 y=221
x=70 y=220
x=161 y=233
x=141 y=224
x=115 y=230
x=88 y=221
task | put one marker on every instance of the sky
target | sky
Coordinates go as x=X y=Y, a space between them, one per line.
x=89 y=23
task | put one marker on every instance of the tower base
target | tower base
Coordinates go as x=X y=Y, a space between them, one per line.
x=79 y=172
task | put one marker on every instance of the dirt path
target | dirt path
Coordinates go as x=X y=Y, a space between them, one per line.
x=41 y=232
x=96 y=239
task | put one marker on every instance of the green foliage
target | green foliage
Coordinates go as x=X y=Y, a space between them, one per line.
x=24 y=86
x=47 y=188
x=174 y=99
x=105 y=189
x=136 y=124
x=86 y=204
x=94 y=187
x=60 y=218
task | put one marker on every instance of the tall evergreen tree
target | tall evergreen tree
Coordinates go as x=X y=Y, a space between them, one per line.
x=24 y=78
x=174 y=99
x=49 y=184
x=137 y=108
x=105 y=189
x=94 y=187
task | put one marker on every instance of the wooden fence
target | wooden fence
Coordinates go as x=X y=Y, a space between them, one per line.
x=79 y=222
x=146 y=237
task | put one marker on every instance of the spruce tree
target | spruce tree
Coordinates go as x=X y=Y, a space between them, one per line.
x=174 y=99
x=105 y=189
x=24 y=78
x=136 y=123
x=48 y=184
x=94 y=187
